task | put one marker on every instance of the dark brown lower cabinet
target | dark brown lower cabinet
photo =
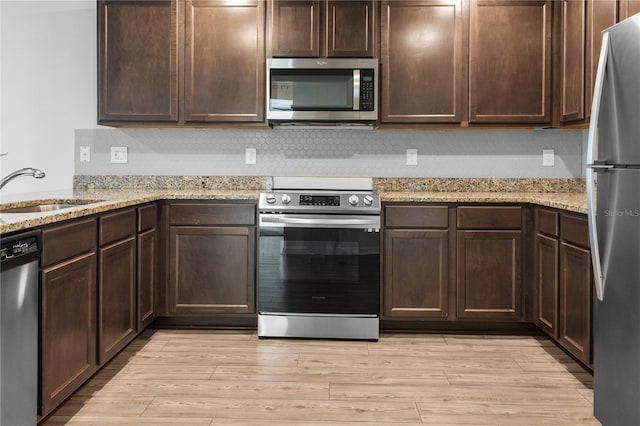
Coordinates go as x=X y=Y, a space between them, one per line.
x=68 y=328
x=575 y=300
x=416 y=273
x=564 y=280
x=489 y=275
x=117 y=322
x=547 y=283
x=212 y=269
x=147 y=262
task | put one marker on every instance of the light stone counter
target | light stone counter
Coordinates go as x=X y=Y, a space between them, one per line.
x=102 y=200
x=124 y=191
x=574 y=202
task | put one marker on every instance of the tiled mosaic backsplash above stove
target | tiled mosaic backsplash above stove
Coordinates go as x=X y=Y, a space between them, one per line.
x=382 y=153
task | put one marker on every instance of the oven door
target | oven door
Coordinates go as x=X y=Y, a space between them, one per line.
x=319 y=264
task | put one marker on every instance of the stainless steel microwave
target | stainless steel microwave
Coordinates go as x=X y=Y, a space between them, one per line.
x=322 y=90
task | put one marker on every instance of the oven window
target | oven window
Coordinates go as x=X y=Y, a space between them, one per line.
x=319 y=271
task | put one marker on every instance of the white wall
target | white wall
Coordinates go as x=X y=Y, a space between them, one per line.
x=382 y=153
x=48 y=87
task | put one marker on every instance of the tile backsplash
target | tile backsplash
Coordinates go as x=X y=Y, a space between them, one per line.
x=381 y=153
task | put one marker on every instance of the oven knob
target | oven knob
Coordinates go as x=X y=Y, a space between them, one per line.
x=353 y=200
x=271 y=198
x=286 y=199
x=368 y=200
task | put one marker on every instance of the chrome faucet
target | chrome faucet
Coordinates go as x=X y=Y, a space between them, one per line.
x=27 y=171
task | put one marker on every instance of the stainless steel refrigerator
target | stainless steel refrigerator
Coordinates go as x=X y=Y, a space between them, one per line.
x=613 y=195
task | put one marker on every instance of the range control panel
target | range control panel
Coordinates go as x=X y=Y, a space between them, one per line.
x=318 y=202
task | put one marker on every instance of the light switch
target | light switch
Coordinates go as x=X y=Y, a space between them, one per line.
x=548 y=157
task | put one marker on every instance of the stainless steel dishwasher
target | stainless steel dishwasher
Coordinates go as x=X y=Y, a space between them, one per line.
x=19 y=259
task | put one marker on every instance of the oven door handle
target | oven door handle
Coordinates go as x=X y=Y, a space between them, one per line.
x=320 y=221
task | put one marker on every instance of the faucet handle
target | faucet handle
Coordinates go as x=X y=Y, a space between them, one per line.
x=3 y=154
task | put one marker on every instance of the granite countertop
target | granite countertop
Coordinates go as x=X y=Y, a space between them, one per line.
x=102 y=200
x=574 y=202
x=561 y=194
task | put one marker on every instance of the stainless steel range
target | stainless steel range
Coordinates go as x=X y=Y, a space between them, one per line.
x=319 y=259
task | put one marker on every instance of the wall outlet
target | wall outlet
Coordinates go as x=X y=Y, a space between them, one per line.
x=85 y=154
x=548 y=157
x=250 y=156
x=119 y=154
x=412 y=157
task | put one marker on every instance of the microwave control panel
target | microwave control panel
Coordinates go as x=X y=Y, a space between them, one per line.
x=366 y=90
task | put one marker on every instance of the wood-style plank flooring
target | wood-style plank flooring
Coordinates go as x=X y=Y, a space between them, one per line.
x=232 y=377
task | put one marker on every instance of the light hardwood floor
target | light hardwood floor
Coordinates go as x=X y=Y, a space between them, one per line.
x=232 y=377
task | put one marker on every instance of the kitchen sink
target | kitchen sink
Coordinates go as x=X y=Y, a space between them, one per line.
x=45 y=206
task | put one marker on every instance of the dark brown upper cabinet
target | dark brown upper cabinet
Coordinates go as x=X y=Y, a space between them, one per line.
x=137 y=61
x=224 y=61
x=570 y=23
x=510 y=61
x=422 y=51
x=600 y=14
x=180 y=62
x=322 y=28
x=578 y=26
x=628 y=8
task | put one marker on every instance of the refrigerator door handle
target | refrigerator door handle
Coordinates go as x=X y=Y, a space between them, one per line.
x=593 y=167
x=593 y=234
x=600 y=167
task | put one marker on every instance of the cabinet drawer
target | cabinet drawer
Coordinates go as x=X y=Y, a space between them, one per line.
x=547 y=222
x=65 y=241
x=147 y=217
x=213 y=214
x=574 y=229
x=488 y=217
x=116 y=226
x=416 y=216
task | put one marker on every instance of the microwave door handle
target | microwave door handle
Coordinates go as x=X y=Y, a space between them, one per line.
x=356 y=90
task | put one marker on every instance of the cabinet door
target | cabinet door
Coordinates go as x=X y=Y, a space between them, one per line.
x=572 y=61
x=137 y=61
x=116 y=298
x=224 y=61
x=628 y=8
x=422 y=61
x=416 y=273
x=547 y=283
x=575 y=301
x=212 y=269
x=350 y=28
x=294 y=28
x=67 y=329
x=510 y=61
x=490 y=274
x=147 y=264
x=601 y=14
